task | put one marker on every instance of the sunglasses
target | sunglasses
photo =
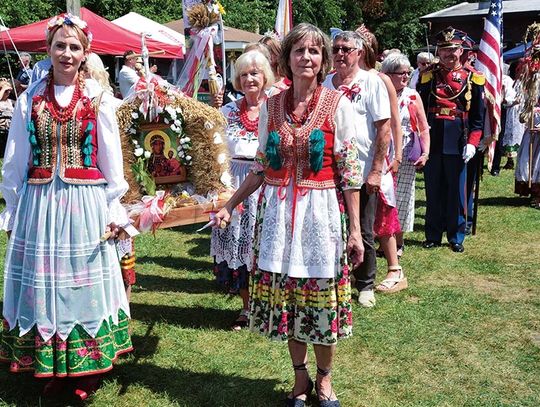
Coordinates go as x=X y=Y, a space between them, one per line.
x=345 y=50
x=404 y=73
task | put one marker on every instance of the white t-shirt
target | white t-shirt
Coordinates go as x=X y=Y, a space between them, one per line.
x=370 y=104
x=127 y=77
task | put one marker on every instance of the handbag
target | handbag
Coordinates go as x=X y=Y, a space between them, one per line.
x=416 y=148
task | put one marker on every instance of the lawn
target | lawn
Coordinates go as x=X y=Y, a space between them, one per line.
x=466 y=332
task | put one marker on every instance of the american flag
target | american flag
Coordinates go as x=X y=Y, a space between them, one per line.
x=283 y=18
x=490 y=63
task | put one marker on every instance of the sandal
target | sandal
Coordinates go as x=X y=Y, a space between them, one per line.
x=293 y=401
x=242 y=321
x=325 y=401
x=393 y=284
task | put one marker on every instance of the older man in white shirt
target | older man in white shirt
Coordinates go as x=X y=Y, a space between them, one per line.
x=371 y=105
x=128 y=77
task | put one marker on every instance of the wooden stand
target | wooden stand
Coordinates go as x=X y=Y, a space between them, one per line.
x=188 y=215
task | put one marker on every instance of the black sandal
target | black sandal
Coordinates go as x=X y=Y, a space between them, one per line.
x=325 y=401
x=294 y=401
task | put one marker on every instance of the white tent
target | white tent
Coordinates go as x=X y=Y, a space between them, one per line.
x=138 y=24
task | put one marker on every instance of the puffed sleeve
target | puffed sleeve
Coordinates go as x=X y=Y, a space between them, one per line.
x=345 y=146
x=16 y=161
x=260 y=162
x=110 y=160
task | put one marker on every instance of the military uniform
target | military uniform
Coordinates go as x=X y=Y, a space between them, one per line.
x=454 y=105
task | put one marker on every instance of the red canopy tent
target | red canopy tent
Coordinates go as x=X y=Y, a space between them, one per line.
x=108 y=38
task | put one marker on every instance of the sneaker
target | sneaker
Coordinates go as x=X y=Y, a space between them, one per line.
x=366 y=298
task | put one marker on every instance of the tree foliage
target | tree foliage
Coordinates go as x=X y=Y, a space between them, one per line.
x=395 y=22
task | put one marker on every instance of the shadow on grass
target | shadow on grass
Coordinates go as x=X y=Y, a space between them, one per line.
x=193 y=318
x=512 y=201
x=157 y=283
x=193 y=265
x=202 y=246
x=199 y=389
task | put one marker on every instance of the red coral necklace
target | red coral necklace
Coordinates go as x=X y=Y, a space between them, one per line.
x=61 y=114
x=289 y=105
x=250 y=125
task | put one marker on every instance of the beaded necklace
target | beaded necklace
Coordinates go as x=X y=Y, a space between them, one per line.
x=289 y=105
x=62 y=114
x=250 y=125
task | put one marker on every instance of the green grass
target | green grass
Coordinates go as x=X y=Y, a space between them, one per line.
x=466 y=332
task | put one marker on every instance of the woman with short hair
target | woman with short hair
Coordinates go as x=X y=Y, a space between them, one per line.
x=308 y=167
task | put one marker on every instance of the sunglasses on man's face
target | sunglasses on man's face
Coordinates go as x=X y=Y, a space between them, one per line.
x=345 y=50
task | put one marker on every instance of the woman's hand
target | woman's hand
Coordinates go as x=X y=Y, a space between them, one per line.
x=394 y=166
x=222 y=218
x=355 y=249
x=421 y=162
x=112 y=231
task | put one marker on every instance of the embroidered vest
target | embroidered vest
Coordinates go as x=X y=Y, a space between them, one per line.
x=76 y=139
x=296 y=144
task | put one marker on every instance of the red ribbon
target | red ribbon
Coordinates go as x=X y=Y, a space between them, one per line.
x=351 y=91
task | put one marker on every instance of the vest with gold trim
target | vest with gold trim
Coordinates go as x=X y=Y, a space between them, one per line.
x=72 y=146
x=297 y=145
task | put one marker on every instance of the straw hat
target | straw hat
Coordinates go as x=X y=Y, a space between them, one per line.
x=4 y=87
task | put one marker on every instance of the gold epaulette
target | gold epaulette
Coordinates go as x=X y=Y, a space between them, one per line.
x=426 y=77
x=478 y=78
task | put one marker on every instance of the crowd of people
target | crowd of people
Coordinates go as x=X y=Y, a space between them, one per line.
x=325 y=143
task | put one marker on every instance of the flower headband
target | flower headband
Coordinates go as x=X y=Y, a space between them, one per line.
x=69 y=19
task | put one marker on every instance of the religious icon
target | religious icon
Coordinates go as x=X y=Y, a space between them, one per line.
x=163 y=163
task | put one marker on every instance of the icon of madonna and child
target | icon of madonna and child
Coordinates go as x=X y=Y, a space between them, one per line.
x=163 y=163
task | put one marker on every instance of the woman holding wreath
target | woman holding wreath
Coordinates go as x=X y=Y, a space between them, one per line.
x=308 y=168
x=65 y=308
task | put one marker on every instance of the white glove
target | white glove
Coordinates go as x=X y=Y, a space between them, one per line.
x=468 y=152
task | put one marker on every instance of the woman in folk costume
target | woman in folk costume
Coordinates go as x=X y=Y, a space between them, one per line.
x=65 y=308
x=308 y=167
x=233 y=246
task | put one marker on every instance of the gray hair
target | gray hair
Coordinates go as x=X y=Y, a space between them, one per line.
x=25 y=55
x=425 y=56
x=393 y=62
x=349 y=36
x=253 y=59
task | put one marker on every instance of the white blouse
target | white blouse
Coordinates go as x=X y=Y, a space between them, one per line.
x=18 y=152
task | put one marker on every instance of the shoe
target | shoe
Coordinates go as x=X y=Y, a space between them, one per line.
x=366 y=298
x=393 y=284
x=325 y=401
x=242 y=321
x=54 y=387
x=457 y=247
x=294 y=401
x=509 y=164
x=430 y=244
x=495 y=173
x=468 y=230
x=86 y=386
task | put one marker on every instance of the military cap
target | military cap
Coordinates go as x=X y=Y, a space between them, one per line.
x=450 y=38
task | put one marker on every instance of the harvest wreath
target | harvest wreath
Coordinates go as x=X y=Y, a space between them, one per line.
x=175 y=157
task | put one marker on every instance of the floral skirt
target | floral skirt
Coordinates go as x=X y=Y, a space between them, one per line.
x=310 y=310
x=78 y=355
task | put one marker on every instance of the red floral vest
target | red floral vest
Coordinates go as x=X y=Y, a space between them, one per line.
x=294 y=144
x=76 y=139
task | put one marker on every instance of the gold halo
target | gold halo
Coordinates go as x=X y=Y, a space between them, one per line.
x=166 y=140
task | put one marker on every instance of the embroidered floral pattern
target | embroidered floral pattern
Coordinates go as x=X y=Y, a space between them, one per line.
x=78 y=354
x=349 y=166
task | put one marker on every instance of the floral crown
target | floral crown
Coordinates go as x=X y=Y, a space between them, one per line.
x=69 y=19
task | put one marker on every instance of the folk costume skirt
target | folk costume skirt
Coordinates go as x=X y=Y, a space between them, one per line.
x=65 y=308
x=232 y=247
x=310 y=310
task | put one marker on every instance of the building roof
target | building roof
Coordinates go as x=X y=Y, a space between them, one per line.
x=467 y=9
x=234 y=38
